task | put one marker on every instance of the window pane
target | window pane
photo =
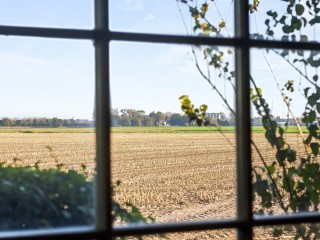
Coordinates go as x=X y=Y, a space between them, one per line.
x=208 y=18
x=292 y=231
x=170 y=168
x=285 y=20
x=212 y=235
x=285 y=116
x=50 y=13
x=47 y=145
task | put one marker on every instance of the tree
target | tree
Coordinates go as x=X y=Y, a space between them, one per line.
x=125 y=121
x=136 y=122
x=66 y=122
x=178 y=120
x=147 y=121
x=6 y=122
x=141 y=112
x=56 y=122
x=35 y=122
x=289 y=183
x=159 y=118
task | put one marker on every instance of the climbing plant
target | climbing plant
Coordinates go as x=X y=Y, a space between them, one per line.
x=289 y=182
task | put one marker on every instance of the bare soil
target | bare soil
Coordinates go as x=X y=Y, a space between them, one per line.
x=169 y=176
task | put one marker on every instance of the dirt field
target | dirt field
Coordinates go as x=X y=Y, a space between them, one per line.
x=170 y=176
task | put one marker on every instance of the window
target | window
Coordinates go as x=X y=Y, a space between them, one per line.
x=101 y=36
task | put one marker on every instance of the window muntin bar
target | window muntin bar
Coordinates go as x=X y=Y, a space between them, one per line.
x=243 y=130
x=154 y=38
x=102 y=114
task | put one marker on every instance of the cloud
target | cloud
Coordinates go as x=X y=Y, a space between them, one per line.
x=130 y=5
x=149 y=17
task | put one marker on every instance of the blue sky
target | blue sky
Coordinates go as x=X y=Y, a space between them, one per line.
x=50 y=77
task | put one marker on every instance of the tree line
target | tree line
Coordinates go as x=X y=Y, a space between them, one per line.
x=131 y=118
x=138 y=118
x=45 y=122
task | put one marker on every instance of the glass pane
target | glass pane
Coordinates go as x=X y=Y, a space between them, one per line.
x=285 y=20
x=229 y=234
x=292 y=231
x=50 y=13
x=47 y=147
x=208 y=18
x=285 y=130
x=168 y=167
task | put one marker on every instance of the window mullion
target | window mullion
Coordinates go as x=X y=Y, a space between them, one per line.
x=243 y=129
x=102 y=115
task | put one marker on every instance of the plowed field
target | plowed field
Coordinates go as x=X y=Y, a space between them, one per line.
x=170 y=176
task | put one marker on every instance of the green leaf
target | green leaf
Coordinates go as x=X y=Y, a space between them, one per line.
x=287 y=29
x=299 y=9
x=281 y=156
x=318 y=107
x=282 y=20
x=312 y=100
x=281 y=131
x=291 y=172
x=315 y=148
x=296 y=23
x=265 y=122
x=312 y=116
x=304 y=21
x=291 y=155
x=277 y=232
x=272 y=14
x=308 y=140
x=306 y=91
x=267 y=21
x=280 y=142
x=271 y=169
x=315 y=20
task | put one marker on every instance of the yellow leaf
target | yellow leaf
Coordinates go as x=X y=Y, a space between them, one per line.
x=203 y=108
x=204 y=26
x=205 y=7
x=222 y=24
x=184 y=99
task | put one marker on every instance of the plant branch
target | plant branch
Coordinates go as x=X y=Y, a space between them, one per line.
x=298 y=70
x=212 y=85
x=276 y=140
x=276 y=190
x=284 y=100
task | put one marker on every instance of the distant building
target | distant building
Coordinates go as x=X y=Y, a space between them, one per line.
x=216 y=116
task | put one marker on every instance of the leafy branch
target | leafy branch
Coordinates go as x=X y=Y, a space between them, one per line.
x=291 y=182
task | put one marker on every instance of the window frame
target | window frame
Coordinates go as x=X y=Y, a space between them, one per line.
x=102 y=36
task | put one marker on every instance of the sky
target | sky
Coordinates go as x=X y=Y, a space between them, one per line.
x=55 y=78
